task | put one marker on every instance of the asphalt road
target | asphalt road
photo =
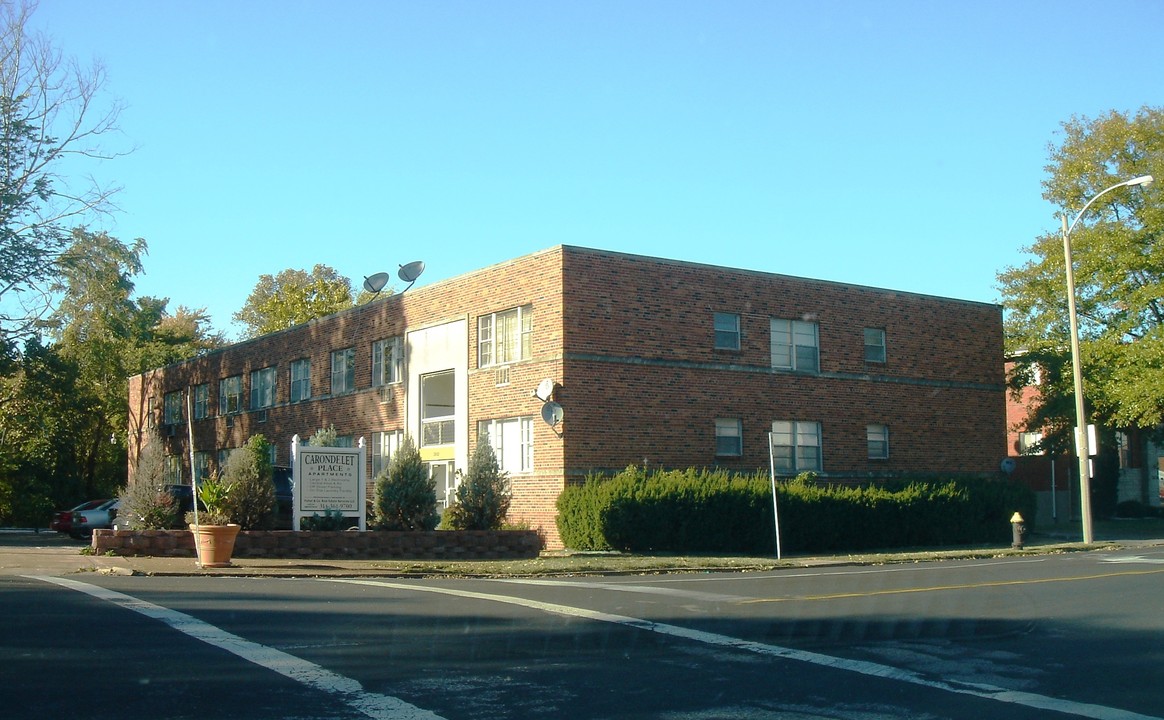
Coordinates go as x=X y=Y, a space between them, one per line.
x=1055 y=636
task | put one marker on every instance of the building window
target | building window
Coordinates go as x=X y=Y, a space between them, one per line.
x=262 y=388
x=1028 y=443
x=512 y=442
x=874 y=345
x=172 y=470
x=437 y=409
x=201 y=401
x=877 y=438
x=343 y=371
x=505 y=337
x=795 y=345
x=223 y=456
x=384 y=446
x=201 y=465
x=300 y=380
x=727 y=331
x=151 y=412
x=796 y=446
x=729 y=437
x=387 y=361
x=230 y=395
x=172 y=408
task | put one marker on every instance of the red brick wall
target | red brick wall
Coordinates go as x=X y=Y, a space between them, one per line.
x=643 y=381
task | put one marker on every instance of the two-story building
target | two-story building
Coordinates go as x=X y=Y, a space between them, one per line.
x=659 y=362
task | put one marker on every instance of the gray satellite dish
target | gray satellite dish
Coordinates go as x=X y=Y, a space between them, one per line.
x=552 y=413
x=545 y=390
x=376 y=283
x=410 y=272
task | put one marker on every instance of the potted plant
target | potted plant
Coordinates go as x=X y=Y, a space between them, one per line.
x=214 y=533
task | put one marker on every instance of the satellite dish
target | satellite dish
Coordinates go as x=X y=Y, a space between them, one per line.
x=1008 y=465
x=410 y=272
x=376 y=283
x=545 y=390
x=552 y=413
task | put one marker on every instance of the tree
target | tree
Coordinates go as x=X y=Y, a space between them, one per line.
x=482 y=499
x=294 y=297
x=251 y=501
x=50 y=114
x=1118 y=248
x=405 y=495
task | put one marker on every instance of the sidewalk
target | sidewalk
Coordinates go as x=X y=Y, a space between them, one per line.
x=47 y=553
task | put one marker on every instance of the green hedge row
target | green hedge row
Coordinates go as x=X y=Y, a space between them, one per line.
x=714 y=511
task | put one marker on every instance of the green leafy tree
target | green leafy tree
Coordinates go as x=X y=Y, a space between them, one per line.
x=482 y=498
x=52 y=116
x=405 y=495
x=294 y=297
x=1118 y=248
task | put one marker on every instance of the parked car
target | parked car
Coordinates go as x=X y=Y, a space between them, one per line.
x=62 y=521
x=85 y=521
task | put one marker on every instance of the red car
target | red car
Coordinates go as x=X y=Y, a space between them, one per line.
x=62 y=520
x=81 y=520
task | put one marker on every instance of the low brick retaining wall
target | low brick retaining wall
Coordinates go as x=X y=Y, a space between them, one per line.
x=350 y=545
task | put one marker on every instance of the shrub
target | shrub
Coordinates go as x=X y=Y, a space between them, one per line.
x=145 y=504
x=714 y=511
x=329 y=520
x=405 y=496
x=482 y=498
x=251 y=500
x=323 y=437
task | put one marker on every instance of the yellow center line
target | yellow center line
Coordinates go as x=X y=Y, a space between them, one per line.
x=940 y=588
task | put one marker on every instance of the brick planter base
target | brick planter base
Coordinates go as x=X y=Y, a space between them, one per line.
x=350 y=545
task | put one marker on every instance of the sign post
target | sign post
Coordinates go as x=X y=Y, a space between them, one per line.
x=328 y=478
x=775 y=512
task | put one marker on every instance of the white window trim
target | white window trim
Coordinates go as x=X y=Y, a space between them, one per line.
x=347 y=371
x=263 y=387
x=493 y=432
x=796 y=430
x=718 y=321
x=298 y=394
x=390 y=348
x=883 y=431
x=225 y=394
x=880 y=345
x=488 y=339
x=729 y=428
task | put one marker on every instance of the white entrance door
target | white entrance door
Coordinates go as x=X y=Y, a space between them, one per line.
x=443 y=473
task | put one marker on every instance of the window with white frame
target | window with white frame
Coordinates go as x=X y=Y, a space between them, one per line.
x=230 y=395
x=300 y=380
x=796 y=446
x=262 y=388
x=511 y=440
x=874 y=345
x=201 y=464
x=1029 y=443
x=172 y=408
x=387 y=361
x=384 y=446
x=727 y=331
x=343 y=371
x=877 y=439
x=438 y=409
x=729 y=437
x=201 y=401
x=505 y=337
x=795 y=345
x=172 y=470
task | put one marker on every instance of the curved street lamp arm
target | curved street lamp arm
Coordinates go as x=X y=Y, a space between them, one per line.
x=1142 y=180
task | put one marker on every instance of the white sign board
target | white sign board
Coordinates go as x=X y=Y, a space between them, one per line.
x=328 y=478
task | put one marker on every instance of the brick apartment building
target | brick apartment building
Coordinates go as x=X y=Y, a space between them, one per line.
x=653 y=361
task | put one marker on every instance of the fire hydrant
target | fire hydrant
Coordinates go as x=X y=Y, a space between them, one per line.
x=1018 y=531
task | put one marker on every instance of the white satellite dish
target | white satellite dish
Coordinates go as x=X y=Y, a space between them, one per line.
x=375 y=283
x=552 y=413
x=545 y=390
x=410 y=272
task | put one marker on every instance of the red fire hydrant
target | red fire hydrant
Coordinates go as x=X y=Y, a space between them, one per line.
x=1018 y=531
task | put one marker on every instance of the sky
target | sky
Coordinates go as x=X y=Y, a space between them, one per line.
x=895 y=144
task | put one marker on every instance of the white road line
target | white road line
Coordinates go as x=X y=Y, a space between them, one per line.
x=980 y=690
x=1133 y=559
x=646 y=589
x=374 y=705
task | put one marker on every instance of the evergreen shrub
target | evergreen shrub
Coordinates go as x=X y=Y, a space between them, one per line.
x=717 y=511
x=405 y=496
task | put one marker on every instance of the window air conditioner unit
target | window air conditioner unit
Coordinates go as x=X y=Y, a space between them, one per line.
x=387 y=393
x=262 y=416
x=230 y=420
x=171 y=430
x=502 y=374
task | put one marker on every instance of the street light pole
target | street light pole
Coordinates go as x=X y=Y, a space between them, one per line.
x=1077 y=362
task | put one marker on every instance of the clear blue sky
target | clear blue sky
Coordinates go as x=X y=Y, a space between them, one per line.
x=893 y=144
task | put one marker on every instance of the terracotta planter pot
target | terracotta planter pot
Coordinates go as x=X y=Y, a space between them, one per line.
x=214 y=544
